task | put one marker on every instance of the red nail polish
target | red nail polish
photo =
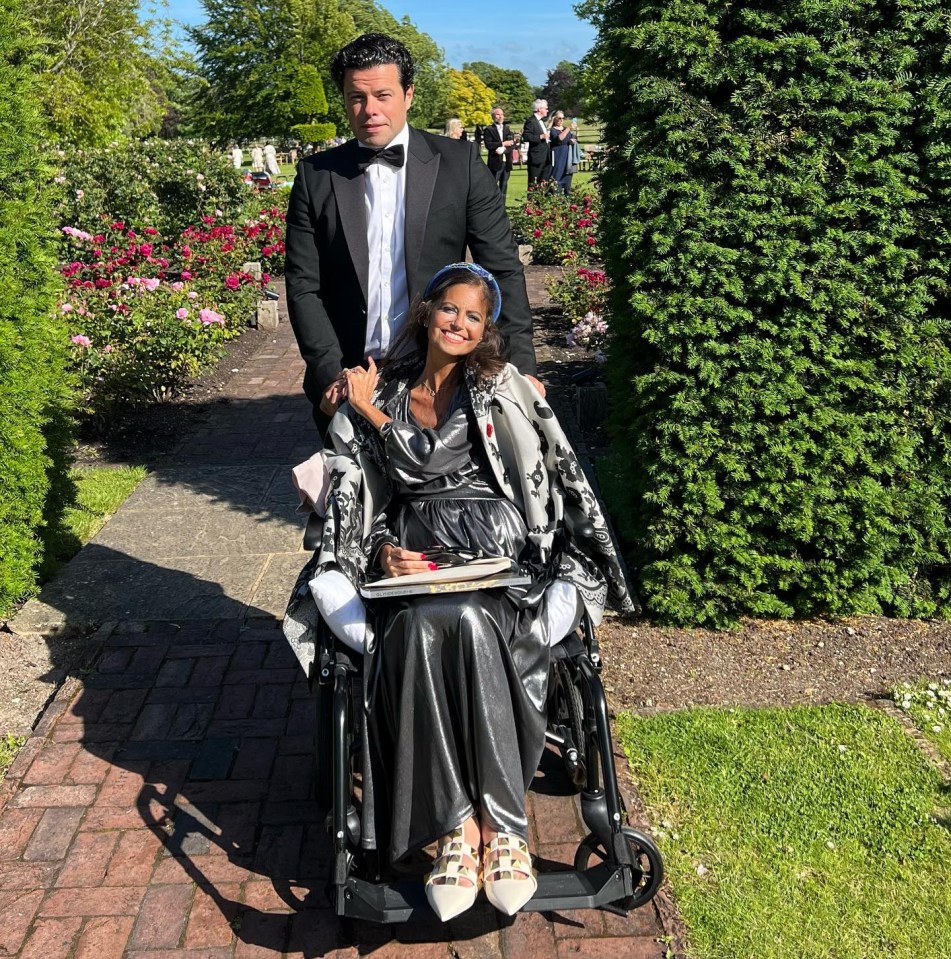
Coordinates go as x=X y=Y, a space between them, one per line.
x=422 y=555
x=433 y=566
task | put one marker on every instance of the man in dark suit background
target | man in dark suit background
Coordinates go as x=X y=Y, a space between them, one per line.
x=535 y=134
x=371 y=221
x=499 y=141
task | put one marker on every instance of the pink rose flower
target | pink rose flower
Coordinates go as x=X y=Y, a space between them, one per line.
x=81 y=340
x=209 y=317
x=181 y=313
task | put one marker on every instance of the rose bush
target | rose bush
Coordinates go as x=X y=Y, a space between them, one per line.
x=561 y=229
x=582 y=293
x=146 y=313
x=580 y=290
x=161 y=183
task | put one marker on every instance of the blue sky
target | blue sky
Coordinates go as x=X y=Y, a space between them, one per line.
x=528 y=35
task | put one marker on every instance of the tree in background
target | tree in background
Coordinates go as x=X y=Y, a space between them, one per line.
x=98 y=65
x=512 y=90
x=33 y=386
x=430 y=101
x=563 y=89
x=776 y=228
x=469 y=98
x=257 y=65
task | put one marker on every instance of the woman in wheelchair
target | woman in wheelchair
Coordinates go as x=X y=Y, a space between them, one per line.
x=445 y=446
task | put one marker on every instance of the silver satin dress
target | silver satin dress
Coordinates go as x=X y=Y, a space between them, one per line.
x=458 y=719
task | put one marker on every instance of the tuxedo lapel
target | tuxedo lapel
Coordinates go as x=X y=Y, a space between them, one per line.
x=422 y=166
x=350 y=194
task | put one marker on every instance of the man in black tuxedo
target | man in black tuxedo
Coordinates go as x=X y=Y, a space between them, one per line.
x=499 y=141
x=371 y=221
x=535 y=134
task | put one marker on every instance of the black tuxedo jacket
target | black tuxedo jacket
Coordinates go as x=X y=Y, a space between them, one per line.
x=538 y=149
x=490 y=137
x=452 y=202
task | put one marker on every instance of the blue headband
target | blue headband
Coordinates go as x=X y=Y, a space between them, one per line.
x=479 y=272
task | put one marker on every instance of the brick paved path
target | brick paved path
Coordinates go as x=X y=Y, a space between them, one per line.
x=163 y=803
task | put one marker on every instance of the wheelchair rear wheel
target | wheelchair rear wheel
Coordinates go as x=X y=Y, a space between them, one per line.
x=648 y=864
x=569 y=712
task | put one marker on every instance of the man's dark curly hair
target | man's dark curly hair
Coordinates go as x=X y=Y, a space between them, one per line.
x=373 y=50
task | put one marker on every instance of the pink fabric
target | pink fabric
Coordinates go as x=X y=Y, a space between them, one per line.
x=311 y=480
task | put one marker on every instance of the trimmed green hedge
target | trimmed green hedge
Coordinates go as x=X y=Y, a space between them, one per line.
x=776 y=228
x=33 y=405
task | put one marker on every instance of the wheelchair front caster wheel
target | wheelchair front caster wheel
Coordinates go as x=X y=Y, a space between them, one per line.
x=648 y=864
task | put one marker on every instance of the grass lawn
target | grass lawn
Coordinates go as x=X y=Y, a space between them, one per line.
x=817 y=832
x=9 y=746
x=100 y=491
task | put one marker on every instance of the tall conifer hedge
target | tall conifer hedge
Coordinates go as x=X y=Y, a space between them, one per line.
x=33 y=343
x=776 y=225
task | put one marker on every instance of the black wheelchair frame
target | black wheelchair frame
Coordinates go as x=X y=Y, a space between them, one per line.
x=616 y=868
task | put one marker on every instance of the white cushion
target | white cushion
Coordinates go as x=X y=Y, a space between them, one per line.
x=340 y=607
x=563 y=610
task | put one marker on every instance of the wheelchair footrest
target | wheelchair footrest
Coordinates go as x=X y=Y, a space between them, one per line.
x=401 y=901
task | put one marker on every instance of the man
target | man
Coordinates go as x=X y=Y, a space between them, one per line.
x=371 y=221
x=535 y=135
x=498 y=142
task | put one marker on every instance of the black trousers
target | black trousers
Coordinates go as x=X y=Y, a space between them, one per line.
x=502 y=178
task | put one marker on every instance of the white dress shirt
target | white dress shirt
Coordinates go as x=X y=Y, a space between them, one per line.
x=500 y=149
x=387 y=289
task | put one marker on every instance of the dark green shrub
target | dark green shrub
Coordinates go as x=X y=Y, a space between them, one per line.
x=776 y=230
x=33 y=408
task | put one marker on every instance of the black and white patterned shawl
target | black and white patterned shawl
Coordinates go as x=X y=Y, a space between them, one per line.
x=536 y=469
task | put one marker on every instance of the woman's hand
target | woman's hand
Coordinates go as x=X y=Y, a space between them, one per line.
x=396 y=561
x=361 y=384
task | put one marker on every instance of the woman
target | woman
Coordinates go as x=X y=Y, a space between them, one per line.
x=563 y=141
x=454 y=129
x=447 y=445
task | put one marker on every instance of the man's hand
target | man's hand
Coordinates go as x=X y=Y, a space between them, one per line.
x=536 y=383
x=334 y=395
x=396 y=561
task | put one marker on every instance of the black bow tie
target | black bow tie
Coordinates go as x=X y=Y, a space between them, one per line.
x=392 y=155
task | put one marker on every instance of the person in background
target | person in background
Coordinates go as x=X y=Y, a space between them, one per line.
x=535 y=134
x=271 y=167
x=499 y=141
x=564 y=143
x=257 y=159
x=237 y=157
x=454 y=129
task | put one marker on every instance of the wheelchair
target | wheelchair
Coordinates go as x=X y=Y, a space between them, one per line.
x=616 y=867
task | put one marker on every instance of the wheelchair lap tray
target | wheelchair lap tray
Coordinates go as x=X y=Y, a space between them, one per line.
x=483 y=572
